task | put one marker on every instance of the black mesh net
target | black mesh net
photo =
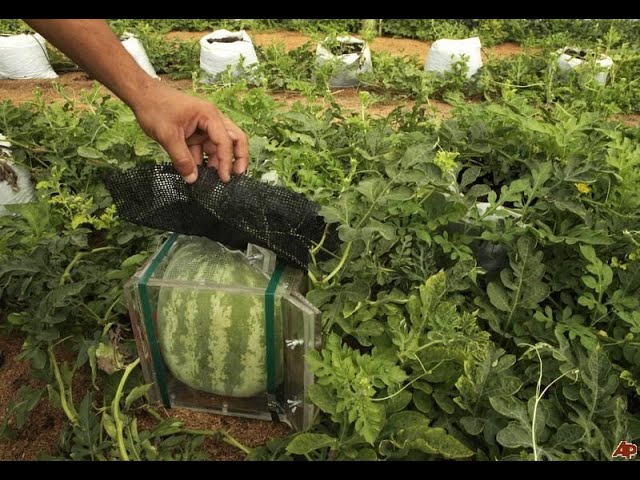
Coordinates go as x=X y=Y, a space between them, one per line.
x=242 y=211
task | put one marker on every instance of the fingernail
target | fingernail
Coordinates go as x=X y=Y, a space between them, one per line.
x=192 y=177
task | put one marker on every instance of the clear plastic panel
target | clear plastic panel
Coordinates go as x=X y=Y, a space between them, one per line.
x=297 y=332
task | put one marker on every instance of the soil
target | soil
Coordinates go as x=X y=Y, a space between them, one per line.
x=629 y=120
x=349 y=102
x=41 y=434
x=77 y=84
x=251 y=433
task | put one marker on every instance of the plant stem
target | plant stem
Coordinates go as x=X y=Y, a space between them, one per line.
x=343 y=260
x=228 y=438
x=115 y=409
x=77 y=258
x=539 y=396
x=68 y=409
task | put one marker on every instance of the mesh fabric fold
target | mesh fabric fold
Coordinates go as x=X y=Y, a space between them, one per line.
x=242 y=211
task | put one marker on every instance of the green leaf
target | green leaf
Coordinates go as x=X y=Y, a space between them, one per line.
x=134 y=260
x=398 y=401
x=590 y=282
x=444 y=402
x=472 y=425
x=109 y=425
x=370 y=328
x=403 y=420
x=62 y=296
x=478 y=191
x=125 y=236
x=135 y=394
x=319 y=296
x=35 y=213
x=589 y=253
x=422 y=401
x=434 y=441
x=371 y=188
x=568 y=434
x=498 y=296
x=523 y=283
x=308 y=442
x=518 y=186
x=432 y=291
x=599 y=383
x=514 y=436
x=141 y=147
x=385 y=230
x=588 y=300
x=469 y=176
x=510 y=407
x=20 y=266
x=89 y=152
x=322 y=396
x=366 y=455
x=371 y=423
x=423 y=387
x=503 y=385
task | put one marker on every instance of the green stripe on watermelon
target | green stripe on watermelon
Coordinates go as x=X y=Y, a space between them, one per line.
x=214 y=341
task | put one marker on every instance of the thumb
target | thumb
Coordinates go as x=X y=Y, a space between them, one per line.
x=182 y=159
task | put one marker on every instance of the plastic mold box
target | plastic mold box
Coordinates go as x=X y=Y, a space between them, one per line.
x=299 y=320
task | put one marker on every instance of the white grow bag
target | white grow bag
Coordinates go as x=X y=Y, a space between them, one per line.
x=445 y=52
x=571 y=58
x=354 y=63
x=24 y=56
x=135 y=48
x=15 y=180
x=216 y=54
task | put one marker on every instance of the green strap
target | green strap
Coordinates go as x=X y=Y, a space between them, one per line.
x=269 y=314
x=149 y=324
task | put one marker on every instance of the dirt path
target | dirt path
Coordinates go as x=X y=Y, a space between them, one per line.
x=77 y=85
x=632 y=120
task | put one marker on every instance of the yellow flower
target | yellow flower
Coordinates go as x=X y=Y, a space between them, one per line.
x=583 y=187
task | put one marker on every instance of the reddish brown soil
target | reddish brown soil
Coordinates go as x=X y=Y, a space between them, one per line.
x=41 y=434
x=42 y=431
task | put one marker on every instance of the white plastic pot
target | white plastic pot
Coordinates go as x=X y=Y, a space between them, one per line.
x=134 y=46
x=445 y=52
x=354 y=63
x=15 y=180
x=570 y=58
x=217 y=55
x=24 y=56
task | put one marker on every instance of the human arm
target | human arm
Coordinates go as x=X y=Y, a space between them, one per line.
x=185 y=126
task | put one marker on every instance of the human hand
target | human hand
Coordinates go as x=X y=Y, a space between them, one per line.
x=187 y=127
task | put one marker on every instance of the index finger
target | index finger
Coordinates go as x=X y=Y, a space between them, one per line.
x=240 y=147
x=181 y=157
x=224 y=145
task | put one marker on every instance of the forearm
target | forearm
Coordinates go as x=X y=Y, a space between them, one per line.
x=96 y=49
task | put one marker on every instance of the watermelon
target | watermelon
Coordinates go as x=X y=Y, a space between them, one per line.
x=213 y=340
